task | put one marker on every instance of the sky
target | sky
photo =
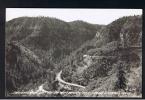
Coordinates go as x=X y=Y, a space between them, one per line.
x=94 y=16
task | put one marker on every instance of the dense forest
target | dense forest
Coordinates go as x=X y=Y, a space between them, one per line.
x=39 y=47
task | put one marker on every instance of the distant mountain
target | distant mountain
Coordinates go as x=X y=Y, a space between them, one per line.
x=54 y=36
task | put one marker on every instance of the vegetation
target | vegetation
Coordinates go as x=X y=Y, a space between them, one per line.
x=23 y=70
x=59 y=37
x=121 y=83
x=54 y=45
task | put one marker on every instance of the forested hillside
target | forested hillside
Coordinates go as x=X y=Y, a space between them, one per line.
x=49 y=39
x=103 y=56
x=100 y=58
x=50 y=36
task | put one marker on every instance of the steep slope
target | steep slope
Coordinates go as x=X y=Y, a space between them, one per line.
x=35 y=44
x=50 y=36
x=99 y=58
x=24 y=69
x=128 y=27
x=111 y=48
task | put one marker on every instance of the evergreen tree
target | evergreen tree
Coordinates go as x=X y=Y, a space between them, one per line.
x=121 y=82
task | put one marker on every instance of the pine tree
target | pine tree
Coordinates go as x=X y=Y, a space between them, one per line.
x=121 y=82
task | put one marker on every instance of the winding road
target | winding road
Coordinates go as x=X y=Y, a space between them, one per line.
x=58 y=77
x=41 y=89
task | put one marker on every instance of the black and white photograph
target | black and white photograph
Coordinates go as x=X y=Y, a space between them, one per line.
x=72 y=52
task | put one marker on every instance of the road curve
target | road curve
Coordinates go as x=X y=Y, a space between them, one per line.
x=58 y=77
x=41 y=89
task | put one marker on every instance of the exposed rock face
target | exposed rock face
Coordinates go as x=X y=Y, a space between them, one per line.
x=46 y=40
x=130 y=28
x=102 y=71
